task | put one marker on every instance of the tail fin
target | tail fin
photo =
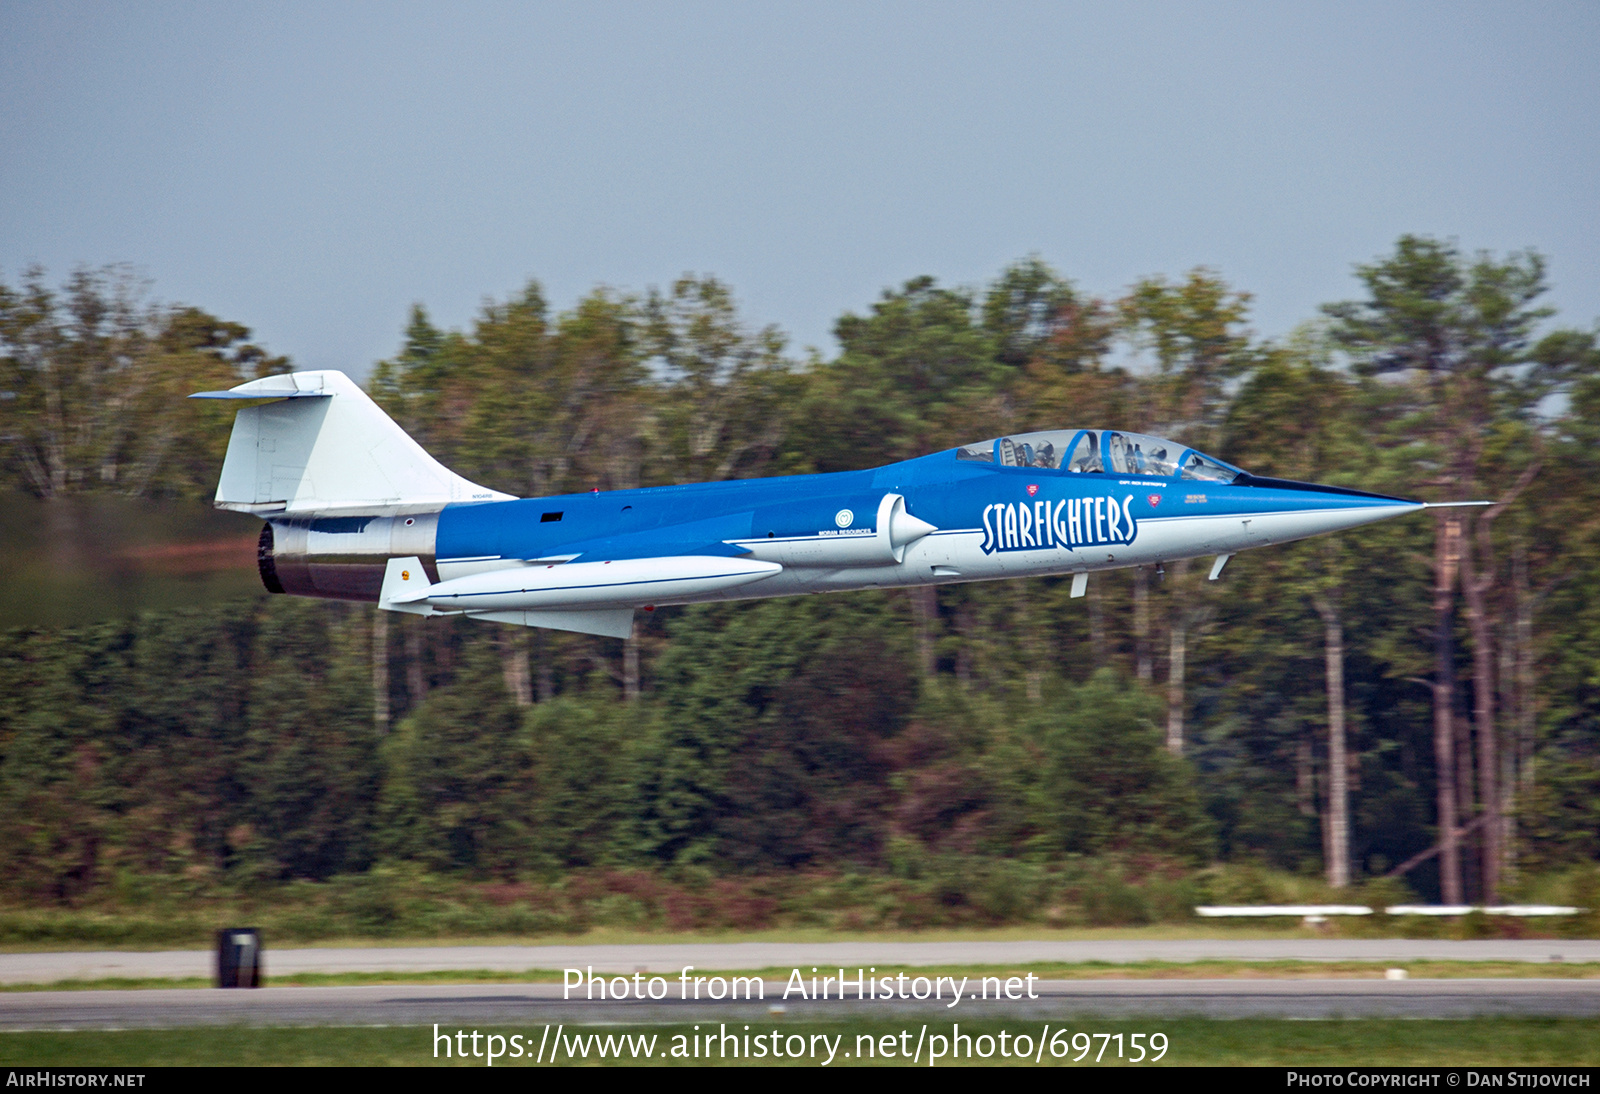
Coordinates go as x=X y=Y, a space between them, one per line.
x=325 y=446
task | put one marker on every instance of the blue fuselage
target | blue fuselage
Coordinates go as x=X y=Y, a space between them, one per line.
x=989 y=521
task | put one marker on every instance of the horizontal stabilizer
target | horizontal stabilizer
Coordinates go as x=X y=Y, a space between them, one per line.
x=405 y=587
x=286 y=386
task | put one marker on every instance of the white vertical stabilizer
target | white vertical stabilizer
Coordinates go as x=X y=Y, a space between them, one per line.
x=325 y=446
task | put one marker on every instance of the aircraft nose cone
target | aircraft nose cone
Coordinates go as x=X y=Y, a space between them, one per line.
x=1261 y=482
x=1284 y=510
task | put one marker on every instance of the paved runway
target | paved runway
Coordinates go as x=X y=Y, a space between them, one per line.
x=44 y=968
x=535 y=1005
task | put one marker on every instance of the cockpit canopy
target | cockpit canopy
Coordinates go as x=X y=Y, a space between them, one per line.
x=1100 y=451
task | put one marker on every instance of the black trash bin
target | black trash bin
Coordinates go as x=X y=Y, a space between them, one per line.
x=239 y=957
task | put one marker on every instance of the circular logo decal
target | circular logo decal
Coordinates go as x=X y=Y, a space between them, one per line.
x=843 y=518
x=405 y=575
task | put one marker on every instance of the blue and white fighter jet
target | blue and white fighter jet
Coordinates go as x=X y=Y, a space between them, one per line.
x=357 y=510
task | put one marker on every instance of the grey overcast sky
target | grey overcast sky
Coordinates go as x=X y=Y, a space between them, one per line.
x=313 y=169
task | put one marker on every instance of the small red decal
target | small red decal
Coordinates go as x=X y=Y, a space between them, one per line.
x=1033 y=488
x=1154 y=500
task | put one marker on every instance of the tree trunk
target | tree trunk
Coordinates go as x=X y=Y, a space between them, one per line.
x=1467 y=843
x=964 y=628
x=1305 y=788
x=1177 y=653
x=1447 y=552
x=1032 y=643
x=547 y=680
x=1477 y=578
x=1526 y=711
x=1144 y=666
x=924 y=611
x=1473 y=588
x=630 y=665
x=1506 y=673
x=1097 y=624
x=55 y=435
x=1324 y=821
x=380 y=670
x=416 y=677
x=514 y=652
x=1338 y=820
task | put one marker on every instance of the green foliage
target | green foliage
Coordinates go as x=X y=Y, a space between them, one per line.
x=1105 y=782
x=906 y=381
x=1196 y=331
x=457 y=792
x=311 y=752
x=728 y=392
x=1036 y=318
x=95 y=379
x=774 y=723
x=985 y=754
x=585 y=769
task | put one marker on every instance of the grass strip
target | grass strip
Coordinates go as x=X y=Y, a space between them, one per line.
x=1199 y=930
x=1247 y=1041
x=1093 y=970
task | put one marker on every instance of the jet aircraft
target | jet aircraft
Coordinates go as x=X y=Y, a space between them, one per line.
x=355 y=509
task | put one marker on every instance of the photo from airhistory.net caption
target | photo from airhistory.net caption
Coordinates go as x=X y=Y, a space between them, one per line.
x=856 y=985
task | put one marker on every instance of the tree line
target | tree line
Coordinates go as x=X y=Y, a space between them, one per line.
x=1419 y=696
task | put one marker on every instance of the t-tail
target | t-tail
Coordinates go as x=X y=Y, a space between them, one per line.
x=342 y=487
x=324 y=447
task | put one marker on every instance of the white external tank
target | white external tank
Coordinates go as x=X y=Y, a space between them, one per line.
x=623 y=583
